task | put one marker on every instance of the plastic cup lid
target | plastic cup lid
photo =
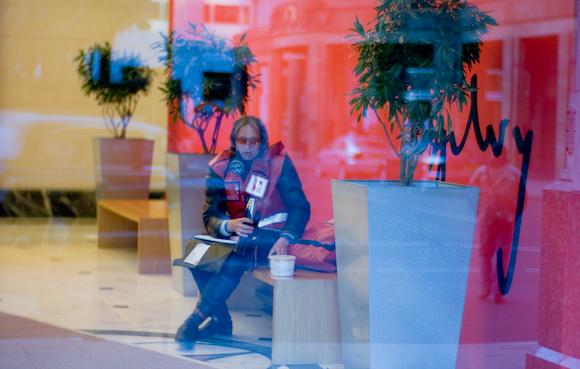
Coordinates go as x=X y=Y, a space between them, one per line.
x=282 y=257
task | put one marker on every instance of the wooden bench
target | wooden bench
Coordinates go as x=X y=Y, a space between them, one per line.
x=305 y=320
x=143 y=223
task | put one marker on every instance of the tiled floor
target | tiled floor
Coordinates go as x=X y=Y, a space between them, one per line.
x=29 y=344
x=52 y=271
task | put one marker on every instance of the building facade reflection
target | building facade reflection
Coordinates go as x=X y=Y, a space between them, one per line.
x=525 y=79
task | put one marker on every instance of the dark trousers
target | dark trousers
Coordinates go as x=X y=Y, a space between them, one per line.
x=216 y=288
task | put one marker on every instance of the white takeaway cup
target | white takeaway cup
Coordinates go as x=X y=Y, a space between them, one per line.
x=282 y=265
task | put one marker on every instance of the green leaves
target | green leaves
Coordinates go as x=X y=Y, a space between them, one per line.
x=95 y=67
x=412 y=61
x=358 y=27
x=188 y=55
x=115 y=81
x=196 y=47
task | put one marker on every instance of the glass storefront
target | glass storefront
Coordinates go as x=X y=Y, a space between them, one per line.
x=515 y=298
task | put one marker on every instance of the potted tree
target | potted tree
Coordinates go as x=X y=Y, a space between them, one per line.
x=122 y=165
x=207 y=79
x=403 y=247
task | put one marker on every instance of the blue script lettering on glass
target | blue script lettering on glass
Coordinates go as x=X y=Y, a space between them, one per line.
x=524 y=146
x=95 y=59
x=116 y=65
x=192 y=64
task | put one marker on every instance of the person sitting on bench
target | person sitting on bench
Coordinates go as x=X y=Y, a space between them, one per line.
x=246 y=183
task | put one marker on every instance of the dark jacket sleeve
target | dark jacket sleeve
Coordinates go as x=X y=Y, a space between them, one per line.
x=294 y=199
x=214 y=209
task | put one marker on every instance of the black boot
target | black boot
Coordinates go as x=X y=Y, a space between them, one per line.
x=188 y=332
x=224 y=323
x=221 y=324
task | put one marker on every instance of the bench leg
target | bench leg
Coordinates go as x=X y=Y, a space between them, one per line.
x=114 y=230
x=153 y=247
x=306 y=324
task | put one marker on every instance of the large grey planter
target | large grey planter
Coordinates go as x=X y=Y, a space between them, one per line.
x=403 y=258
x=185 y=199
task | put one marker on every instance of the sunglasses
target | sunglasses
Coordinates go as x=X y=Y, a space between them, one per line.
x=244 y=140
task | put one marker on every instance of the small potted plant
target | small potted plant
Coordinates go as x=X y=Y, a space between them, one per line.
x=410 y=243
x=122 y=166
x=207 y=78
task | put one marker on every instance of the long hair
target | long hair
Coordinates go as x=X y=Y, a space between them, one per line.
x=257 y=123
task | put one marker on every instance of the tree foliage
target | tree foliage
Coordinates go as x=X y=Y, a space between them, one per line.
x=412 y=64
x=116 y=82
x=222 y=94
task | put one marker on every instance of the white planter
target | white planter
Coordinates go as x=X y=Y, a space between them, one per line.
x=403 y=258
x=185 y=199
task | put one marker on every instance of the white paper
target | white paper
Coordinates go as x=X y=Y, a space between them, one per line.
x=257 y=186
x=195 y=256
x=205 y=237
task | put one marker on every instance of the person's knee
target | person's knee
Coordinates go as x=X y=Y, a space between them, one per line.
x=201 y=278
x=235 y=265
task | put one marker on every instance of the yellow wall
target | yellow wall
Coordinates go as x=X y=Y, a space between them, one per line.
x=46 y=123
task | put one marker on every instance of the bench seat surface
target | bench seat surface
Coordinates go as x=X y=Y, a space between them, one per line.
x=264 y=276
x=136 y=209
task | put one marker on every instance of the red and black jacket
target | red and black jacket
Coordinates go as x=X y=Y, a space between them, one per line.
x=282 y=206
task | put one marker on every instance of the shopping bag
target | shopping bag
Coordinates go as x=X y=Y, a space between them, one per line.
x=316 y=249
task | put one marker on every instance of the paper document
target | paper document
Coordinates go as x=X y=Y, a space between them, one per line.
x=205 y=237
x=195 y=256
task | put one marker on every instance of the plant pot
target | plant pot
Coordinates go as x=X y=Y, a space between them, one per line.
x=185 y=199
x=122 y=168
x=403 y=258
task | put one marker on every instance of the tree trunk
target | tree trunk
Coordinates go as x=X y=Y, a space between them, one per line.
x=408 y=160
